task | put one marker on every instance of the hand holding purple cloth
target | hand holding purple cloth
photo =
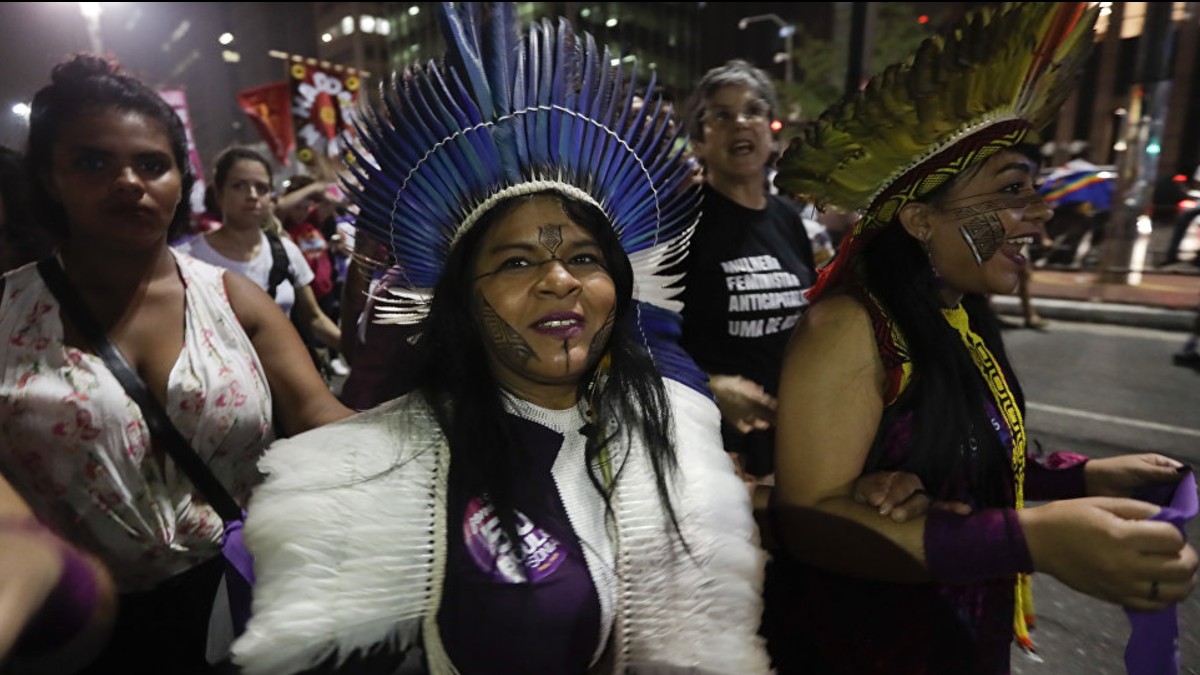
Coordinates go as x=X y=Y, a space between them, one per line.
x=1153 y=647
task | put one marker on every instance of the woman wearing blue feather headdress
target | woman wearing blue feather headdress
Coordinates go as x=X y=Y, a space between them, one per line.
x=552 y=495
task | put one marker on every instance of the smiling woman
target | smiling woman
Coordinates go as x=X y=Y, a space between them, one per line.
x=546 y=318
x=553 y=490
x=898 y=365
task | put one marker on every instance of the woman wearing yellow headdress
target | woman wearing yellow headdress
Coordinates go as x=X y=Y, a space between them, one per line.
x=896 y=366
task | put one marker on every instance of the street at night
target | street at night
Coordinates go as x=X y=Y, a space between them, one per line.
x=1103 y=390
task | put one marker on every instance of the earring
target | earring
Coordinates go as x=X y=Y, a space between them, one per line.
x=937 y=277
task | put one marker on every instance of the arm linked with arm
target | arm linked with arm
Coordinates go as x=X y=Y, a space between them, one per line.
x=831 y=402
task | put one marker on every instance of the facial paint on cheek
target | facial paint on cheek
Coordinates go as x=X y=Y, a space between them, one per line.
x=600 y=339
x=505 y=339
x=982 y=228
x=983 y=236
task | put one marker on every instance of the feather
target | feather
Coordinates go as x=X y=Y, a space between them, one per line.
x=503 y=110
x=1016 y=62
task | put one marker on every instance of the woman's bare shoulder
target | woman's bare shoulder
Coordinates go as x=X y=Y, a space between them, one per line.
x=836 y=313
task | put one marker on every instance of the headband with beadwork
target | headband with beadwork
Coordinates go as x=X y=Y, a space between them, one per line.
x=504 y=114
x=992 y=82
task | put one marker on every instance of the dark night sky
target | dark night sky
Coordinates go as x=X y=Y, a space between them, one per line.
x=33 y=37
x=167 y=45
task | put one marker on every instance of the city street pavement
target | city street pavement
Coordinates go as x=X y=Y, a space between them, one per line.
x=1160 y=298
x=1103 y=390
x=1079 y=635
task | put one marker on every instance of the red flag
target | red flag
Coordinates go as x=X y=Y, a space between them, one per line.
x=268 y=107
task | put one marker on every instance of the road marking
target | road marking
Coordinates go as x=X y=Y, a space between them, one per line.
x=1116 y=329
x=1141 y=424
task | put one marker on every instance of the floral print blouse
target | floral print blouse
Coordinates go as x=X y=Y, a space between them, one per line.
x=77 y=447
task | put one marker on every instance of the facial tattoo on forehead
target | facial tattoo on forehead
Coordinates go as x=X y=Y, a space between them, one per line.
x=550 y=237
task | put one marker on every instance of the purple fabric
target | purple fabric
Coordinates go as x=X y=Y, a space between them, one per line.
x=239 y=574
x=1153 y=647
x=491 y=619
x=67 y=609
x=987 y=544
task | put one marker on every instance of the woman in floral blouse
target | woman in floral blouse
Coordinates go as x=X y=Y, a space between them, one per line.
x=109 y=162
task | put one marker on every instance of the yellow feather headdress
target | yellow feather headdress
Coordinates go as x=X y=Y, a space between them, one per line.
x=991 y=82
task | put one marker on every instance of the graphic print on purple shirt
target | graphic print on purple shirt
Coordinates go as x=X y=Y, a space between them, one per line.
x=541 y=554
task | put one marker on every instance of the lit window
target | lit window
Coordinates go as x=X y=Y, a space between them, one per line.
x=383 y=27
x=347 y=25
x=414 y=10
x=366 y=23
x=225 y=38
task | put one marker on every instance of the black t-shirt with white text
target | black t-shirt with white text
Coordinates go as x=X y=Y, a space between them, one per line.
x=747 y=270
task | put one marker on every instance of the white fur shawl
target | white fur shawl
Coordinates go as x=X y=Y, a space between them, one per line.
x=348 y=533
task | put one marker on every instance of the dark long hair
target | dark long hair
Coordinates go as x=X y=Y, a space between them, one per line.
x=455 y=377
x=20 y=240
x=947 y=396
x=80 y=86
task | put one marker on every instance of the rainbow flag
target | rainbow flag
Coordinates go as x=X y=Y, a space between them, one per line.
x=1094 y=187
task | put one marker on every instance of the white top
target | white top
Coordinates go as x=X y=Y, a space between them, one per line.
x=259 y=268
x=77 y=448
x=349 y=536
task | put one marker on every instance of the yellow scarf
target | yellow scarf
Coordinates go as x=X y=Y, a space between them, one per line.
x=1006 y=403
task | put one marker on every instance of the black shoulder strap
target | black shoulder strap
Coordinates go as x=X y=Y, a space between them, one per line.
x=159 y=424
x=279 y=265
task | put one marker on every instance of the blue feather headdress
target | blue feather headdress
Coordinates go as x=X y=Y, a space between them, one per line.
x=505 y=114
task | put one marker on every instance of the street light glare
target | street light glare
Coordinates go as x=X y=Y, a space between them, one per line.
x=225 y=38
x=21 y=110
x=786 y=31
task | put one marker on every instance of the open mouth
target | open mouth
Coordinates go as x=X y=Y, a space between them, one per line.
x=559 y=329
x=557 y=323
x=741 y=148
